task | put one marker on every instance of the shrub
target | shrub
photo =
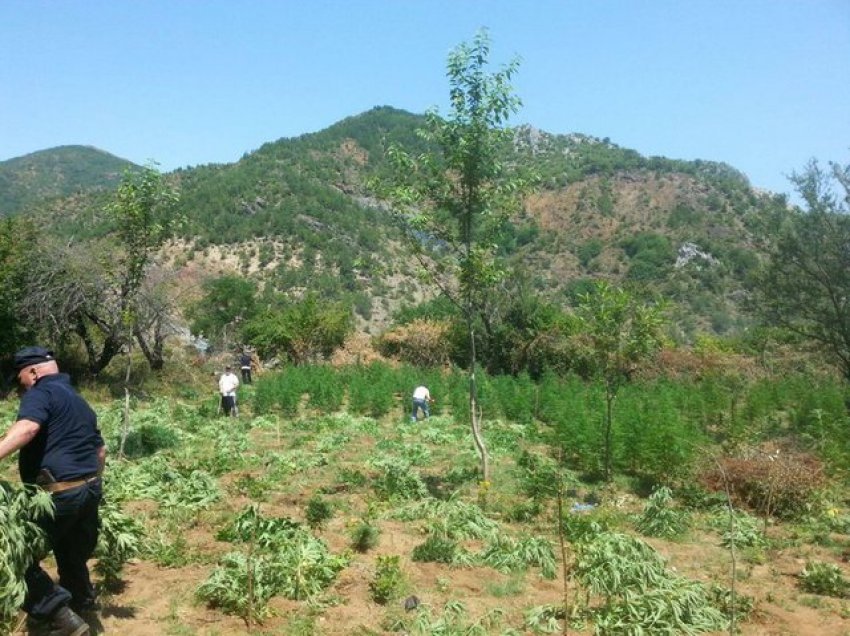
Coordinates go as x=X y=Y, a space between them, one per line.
x=318 y=511
x=422 y=343
x=785 y=484
x=364 y=536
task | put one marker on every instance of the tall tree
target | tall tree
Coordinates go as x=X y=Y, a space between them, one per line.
x=615 y=333
x=228 y=301
x=455 y=198
x=805 y=284
x=95 y=291
x=143 y=212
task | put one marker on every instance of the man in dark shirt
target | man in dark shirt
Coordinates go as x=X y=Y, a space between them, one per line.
x=62 y=451
x=245 y=366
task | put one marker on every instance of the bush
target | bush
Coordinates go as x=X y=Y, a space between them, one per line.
x=422 y=343
x=318 y=511
x=364 y=536
x=785 y=484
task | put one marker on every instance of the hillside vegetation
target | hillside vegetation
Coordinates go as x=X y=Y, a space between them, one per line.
x=299 y=214
x=55 y=173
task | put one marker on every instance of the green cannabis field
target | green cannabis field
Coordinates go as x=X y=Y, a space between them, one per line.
x=322 y=509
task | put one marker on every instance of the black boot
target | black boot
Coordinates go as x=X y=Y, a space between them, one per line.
x=65 y=622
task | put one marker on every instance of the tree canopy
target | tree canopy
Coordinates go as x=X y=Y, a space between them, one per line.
x=805 y=285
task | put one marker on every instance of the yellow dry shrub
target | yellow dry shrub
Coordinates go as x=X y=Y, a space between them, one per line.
x=422 y=343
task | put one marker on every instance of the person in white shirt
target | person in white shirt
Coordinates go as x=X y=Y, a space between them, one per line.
x=421 y=398
x=227 y=384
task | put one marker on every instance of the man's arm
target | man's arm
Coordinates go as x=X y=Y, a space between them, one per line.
x=19 y=435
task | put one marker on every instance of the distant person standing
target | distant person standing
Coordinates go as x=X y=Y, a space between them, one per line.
x=245 y=366
x=227 y=385
x=421 y=399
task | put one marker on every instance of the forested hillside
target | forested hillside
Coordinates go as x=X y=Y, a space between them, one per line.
x=56 y=172
x=299 y=213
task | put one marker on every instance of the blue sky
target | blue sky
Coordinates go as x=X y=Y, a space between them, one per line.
x=761 y=85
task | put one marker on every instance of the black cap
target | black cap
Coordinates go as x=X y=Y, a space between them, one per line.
x=32 y=355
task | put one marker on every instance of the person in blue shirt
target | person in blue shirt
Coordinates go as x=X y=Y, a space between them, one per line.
x=60 y=450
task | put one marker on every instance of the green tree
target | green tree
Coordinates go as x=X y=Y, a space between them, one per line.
x=101 y=291
x=614 y=334
x=302 y=331
x=227 y=301
x=16 y=239
x=805 y=284
x=455 y=197
x=143 y=211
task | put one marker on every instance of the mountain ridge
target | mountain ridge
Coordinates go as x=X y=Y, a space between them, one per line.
x=297 y=213
x=60 y=171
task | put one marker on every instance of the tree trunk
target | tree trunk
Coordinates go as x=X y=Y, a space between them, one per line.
x=475 y=420
x=125 y=424
x=609 y=414
x=154 y=354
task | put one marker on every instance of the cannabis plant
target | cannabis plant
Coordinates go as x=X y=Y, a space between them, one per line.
x=397 y=479
x=21 y=540
x=364 y=536
x=120 y=540
x=453 y=518
x=242 y=585
x=659 y=519
x=507 y=554
x=454 y=620
x=319 y=510
x=640 y=595
x=825 y=579
x=389 y=580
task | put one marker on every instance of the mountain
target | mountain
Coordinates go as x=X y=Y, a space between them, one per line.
x=297 y=214
x=56 y=172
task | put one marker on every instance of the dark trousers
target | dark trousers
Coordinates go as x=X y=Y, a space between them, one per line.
x=246 y=375
x=228 y=405
x=72 y=535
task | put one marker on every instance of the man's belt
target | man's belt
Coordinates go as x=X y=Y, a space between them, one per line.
x=62 y=486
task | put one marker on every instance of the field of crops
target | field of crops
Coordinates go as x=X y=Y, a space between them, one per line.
x=322 y=509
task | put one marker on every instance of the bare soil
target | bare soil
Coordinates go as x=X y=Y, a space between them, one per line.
x=158 y=600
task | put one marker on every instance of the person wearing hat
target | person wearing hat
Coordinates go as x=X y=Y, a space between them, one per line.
x=62 y=451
